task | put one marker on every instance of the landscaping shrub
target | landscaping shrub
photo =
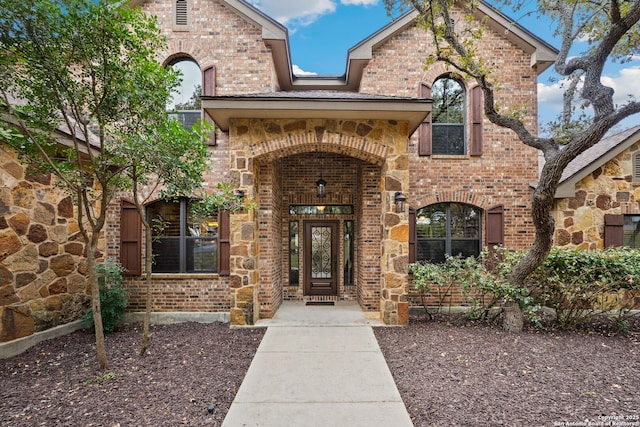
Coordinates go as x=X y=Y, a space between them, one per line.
x=113 y=299
x=581 y=284
x=576 y=284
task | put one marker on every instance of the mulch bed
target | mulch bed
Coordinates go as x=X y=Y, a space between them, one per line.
x=450 y=372
x=453 y=372
x=188 y=368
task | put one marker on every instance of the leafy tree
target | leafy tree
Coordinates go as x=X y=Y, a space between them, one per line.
x=611 y=31
x=166 y=159
x=88 y=69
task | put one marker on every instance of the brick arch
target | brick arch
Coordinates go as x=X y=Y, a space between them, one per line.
x=182 y=49
x=478 y=200
x=328 y=142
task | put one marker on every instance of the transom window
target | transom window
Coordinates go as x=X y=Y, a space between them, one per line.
x=448 y=116
x=184 y=241
x=447 y=228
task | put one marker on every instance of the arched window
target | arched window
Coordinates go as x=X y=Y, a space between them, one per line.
x=448 y=228
x=184 y=241
x=187 y=96
x=448 y=116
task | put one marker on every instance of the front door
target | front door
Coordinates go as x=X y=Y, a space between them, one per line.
x=321 y=258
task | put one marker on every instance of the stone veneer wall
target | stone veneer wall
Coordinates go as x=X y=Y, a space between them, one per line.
x=42 y=272
x=608 y=190
x=381 y=143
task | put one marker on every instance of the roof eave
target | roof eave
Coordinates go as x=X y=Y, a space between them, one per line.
x=567 y=187
x=222 y=110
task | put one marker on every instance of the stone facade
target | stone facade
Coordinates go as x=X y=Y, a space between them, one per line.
x=42 y=272
x=609 y=189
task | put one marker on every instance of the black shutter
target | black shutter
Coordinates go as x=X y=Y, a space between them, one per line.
x=130 y=239
x=475 y=148
x=613 y=230
x=182 y=16
x=424 y=131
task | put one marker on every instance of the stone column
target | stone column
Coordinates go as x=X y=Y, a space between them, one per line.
x=394 y=307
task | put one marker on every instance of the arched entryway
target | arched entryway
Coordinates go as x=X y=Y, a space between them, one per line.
x=352 y=234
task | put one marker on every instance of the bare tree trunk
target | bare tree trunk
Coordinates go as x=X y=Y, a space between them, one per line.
x=101 y=351
x=146 y=334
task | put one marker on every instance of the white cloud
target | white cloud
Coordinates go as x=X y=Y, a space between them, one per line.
x=294 y=13
x=359 y=2
x=623 y=83
x=300 y=72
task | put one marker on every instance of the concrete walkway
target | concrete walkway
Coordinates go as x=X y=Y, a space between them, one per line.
x=318 y=366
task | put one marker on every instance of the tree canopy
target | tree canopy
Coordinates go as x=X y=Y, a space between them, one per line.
x=83 y=96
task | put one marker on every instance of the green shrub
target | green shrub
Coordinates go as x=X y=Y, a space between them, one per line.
x=484 y=289
x=581 y=284
x=113 y=299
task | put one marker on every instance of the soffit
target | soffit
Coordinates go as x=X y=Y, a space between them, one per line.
x=316 y=105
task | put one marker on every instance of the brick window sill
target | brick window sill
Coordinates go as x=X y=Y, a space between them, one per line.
x=178 y=276
x=450 y=157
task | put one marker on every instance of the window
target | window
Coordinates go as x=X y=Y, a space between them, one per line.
x=184 y=241
x=447 y=228
x=631 y=231
x=636 y=167
x=448 y=117
x=349 y=243
x=294 y=253
x=444 y=130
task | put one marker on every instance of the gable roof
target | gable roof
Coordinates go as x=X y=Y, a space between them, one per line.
x=276 y=37
x=593 y=158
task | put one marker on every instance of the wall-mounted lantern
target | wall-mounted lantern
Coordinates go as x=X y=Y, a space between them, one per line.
x=321 y=187
x=399 y=200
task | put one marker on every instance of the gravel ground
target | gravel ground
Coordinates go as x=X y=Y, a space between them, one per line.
x=188 y=368
x=450 y=372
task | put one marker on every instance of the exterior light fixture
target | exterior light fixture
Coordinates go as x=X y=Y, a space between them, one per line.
x=239 y=194
x=399 y=199
x=321 y=187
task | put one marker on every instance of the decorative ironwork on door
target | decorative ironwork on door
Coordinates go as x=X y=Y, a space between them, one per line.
x=321 y=257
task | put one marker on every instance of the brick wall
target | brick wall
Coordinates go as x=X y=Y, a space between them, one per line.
x=503 y=173
x=298 y=175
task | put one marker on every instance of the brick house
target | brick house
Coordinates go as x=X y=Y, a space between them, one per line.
x=354 y=176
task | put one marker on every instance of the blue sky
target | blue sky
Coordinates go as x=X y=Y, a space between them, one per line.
x=322 y=31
